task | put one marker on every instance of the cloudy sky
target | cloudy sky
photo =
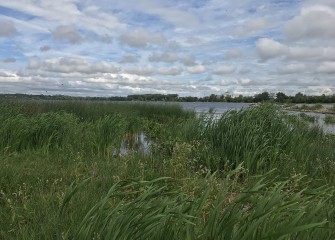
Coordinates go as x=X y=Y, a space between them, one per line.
x=187 y=47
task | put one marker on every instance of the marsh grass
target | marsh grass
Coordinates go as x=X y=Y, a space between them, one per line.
x=308 y=118
x=314 y=107
x=330 y=119
x=261 y=138
x=266 y=209
x=94 y=110
x=62 y=175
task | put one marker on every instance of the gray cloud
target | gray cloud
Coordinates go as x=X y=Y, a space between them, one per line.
x=233 y=53
x=9 y=60
x=250 y=27
x=170 y=71
x=67 y=33
x=129 y=59
x=223 y=69
x=6 y=75
x=311 y=53
x=245 y=70
x=194 y=40
x=326 y=67
x=196 y=69
x=176 y=16
x=71 y=65
x=187 y=59
x=163 y=57
x=172 y=45
x=269 y=48
x=7 y=29
x=291 y=68
x=245 y=81
x=45 y=48
x=141 y=38
x=142 y=71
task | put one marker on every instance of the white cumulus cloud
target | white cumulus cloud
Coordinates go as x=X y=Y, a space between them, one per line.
x=314 y=22
x=269 y=48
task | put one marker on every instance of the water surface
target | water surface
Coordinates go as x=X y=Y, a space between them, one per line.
x=221 y=107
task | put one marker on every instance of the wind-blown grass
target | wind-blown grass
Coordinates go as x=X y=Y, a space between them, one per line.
x=308 y=118
x=167 y=194
x=266 y=209
x=261 y=138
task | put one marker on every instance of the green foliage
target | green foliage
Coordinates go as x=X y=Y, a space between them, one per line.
x=329 y=119
x=262 y=97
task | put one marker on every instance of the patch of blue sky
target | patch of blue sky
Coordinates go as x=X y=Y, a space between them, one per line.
x=15 y=14
x=10 y=49
x=188 y=4
x=40 y=37
x=247 y=42
x=144 y=20
x=286 y=3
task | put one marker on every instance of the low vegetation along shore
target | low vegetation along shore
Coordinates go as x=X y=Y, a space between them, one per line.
x=317 y=108
x=77 y=170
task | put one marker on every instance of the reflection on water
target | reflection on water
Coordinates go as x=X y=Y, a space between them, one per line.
x=135 y=142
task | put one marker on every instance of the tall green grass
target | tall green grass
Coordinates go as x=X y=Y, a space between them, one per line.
x=167 y=194
x=266 y=209
x=262 y=138
x=94 y=110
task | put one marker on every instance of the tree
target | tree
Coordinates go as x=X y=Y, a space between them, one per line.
x=281 y=97
x=262 y=97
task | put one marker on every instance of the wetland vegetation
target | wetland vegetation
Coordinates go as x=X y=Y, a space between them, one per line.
x=257 y=173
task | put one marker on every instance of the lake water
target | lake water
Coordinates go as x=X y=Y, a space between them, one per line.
x=221 y=107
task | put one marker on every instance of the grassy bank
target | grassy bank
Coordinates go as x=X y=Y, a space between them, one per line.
x=252 y=174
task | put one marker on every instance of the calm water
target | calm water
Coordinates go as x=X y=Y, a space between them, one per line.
x=219 y=108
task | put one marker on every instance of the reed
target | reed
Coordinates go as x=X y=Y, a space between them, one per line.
x=265 y=209
x=63 y=174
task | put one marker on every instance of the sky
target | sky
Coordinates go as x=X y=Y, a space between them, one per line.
x=184 y=47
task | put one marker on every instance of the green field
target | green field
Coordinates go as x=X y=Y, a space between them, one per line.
x=75 y=170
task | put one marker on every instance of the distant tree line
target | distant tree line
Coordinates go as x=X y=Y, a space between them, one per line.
x=279 y=97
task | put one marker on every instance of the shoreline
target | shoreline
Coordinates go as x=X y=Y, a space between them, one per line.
x=323 y=111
